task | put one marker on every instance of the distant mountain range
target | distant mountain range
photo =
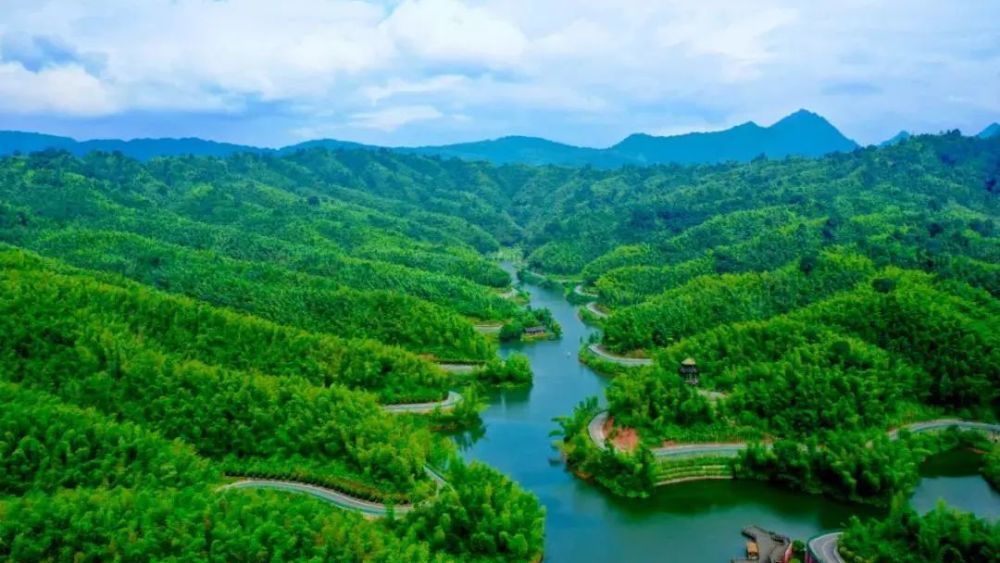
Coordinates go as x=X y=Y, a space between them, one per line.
x=142 y=149
x=802 y=133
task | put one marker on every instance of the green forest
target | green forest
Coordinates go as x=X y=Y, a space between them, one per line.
x=176 y=324
x=940 y=535
x=825 y=304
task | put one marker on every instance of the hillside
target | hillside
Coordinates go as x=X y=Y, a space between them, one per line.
x=176 y=325
x=824 y=303
x=253 y=315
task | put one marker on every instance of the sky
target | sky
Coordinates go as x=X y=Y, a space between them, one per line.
x=417 y=72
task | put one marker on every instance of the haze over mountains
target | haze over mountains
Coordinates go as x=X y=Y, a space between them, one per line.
x=802 y=133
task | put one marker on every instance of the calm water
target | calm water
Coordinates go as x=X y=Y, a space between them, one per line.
x=954 y=477
x=697 y=521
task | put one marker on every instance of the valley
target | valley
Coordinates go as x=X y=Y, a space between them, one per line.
x=329 y=354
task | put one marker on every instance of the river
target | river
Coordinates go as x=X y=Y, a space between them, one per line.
x=696 y=521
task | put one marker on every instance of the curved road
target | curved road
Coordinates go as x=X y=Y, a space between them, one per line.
x=823 y=549
x=368 y=508
x=944 y=423
x=449 y=402
x=592 y=307
x=596 y=431
x=578 y=289
x=343 y=500
x=620 y=360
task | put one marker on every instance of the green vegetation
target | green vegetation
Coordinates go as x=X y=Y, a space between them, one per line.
x=179 y=319
x=825 y=302
x=38 y=289
x=939 y=536
x=173 y=324
x=514 y=371
x=624 y=473
x=711 y=300
x=991 y=466
x=480 y=512
x=533 y=318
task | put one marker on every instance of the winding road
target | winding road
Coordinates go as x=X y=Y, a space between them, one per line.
x=823 y=549
x=620 y=360
x=578 y=289
x=449 y=402
x=592 y=308
x=510 y=293
x=343 y=500
x=732 y=449
x=367 y=508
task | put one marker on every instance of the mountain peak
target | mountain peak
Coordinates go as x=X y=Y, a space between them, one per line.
x=802 y=133
x=802 y=117
x=992 y=130
x=896 y=139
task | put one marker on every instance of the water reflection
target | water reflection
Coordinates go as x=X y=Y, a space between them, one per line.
x=467 y=438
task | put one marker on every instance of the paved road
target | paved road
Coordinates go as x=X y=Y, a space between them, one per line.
x=945 y=423
x=578 y=289
x=592 y=307
x=488 y=328
x=343 y=500
x=824 y=548
x=620 y=360
x=679 y=451
x=732 y=449
x=337 y=498
x=459 y=368
x=596 y=429
x=448 y=403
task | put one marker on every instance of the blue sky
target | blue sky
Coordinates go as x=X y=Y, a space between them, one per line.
x=438 y=71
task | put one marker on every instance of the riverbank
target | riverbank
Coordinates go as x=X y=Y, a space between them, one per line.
x=698 y=520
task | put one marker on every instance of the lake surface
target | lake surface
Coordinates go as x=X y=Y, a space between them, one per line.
x=696 y=521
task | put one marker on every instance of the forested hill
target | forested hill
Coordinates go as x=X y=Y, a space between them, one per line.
x=319 y=240
x=250 y=314
x=802 y=133
x=823 y=302
x=176 y=324
x=930 y=195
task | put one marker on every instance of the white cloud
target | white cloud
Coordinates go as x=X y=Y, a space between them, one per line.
x=62 y=90
x=587 y=71
x=395 y=87
x=449 y=31
x=392 y=118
